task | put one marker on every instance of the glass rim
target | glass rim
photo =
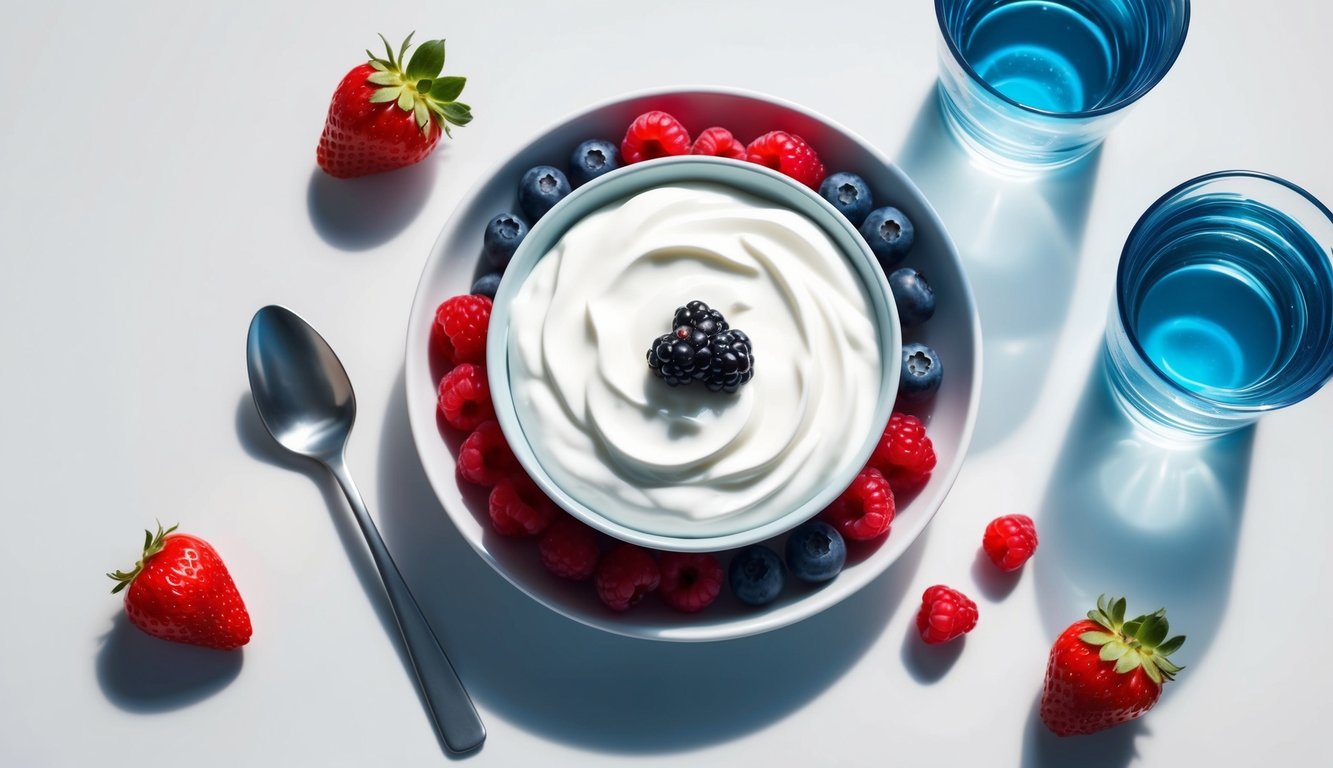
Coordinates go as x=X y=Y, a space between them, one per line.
x=1106 y=110
x=1122 y=279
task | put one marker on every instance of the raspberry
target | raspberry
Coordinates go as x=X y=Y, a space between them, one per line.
x=569 y=549
x=691 y=581
x=945 y=614
x=460 y=329
x=1009 y=541
x=654 y=134
x=905 y=455
x=626 y=574
x=465 y=397
x=787 y=153
x=718 y=142
x=485 y=458
x=865 y=510
x=519 y=508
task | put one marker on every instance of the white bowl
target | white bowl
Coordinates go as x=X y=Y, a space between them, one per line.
x=954 y=332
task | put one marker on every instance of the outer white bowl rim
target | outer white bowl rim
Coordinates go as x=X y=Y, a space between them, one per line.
x=849 y=581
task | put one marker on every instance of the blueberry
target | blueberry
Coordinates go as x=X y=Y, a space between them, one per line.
x=815 y=551
x=591 y=159
x=756 y=575
x=913 y=295
x=889 y=234
x=503 y=234
x=540 y=189
x=487 y=285
x=849 y=194
x=921 y=375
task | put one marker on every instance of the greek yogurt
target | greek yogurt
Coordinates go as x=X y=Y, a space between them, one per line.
x=683 y=461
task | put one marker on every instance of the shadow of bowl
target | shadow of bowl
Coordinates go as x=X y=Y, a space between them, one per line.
x=578 y=685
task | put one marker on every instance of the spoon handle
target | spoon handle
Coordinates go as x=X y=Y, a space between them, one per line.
x=449 y=703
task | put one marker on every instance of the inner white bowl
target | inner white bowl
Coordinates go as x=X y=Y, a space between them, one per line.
x=772 y=188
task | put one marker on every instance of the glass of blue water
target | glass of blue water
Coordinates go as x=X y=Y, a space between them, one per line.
x=1223 y=305
x=1033 y=85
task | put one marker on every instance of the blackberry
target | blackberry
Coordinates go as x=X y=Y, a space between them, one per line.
x=681 y=356
x=699 y=315
x=731 y=361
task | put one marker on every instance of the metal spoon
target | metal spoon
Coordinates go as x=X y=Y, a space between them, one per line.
x=305 y=401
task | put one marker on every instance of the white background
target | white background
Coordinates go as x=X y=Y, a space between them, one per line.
x=157 y=185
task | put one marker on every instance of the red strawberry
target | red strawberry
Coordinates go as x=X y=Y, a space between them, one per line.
x=1104 y=671
x=654 y=134
x=788 y=154
x=718 y=142
x=180 y=590
x=387 y=113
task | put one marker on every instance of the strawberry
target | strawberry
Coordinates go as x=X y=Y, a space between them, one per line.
x=388 y=113
x=1104 y=671
x=180 y=590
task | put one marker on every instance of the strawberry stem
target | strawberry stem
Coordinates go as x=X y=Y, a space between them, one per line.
x=1139 y=642
x=152 y=544
x=417 y=87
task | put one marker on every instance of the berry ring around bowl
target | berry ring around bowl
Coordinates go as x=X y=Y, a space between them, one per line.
x=648 y=591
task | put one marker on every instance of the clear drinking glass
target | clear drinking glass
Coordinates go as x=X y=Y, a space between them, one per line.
x=1223 y=305
x=1033 y=85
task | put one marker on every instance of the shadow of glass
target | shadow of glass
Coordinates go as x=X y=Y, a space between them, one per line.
x=1114 y=748
x=143 y=674
x=359 y=214
x=578 y=685
x=1129 y=515
x=1020 y=240
x=259 y=444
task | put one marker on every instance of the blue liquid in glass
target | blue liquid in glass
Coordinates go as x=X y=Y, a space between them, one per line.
x=1223 y=304
x=1065 y=55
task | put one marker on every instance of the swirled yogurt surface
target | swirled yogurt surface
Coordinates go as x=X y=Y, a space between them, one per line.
x=683 y=461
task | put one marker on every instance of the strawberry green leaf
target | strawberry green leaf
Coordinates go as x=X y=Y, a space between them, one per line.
x=1128 y=661
x=456 y=113
x=1113 y=651
x=447 y=88
x=1096 y=638
x=405 y=100
x=382 y=95
x=422 y=115
x=1118 y=611
x=427 y=61
x=388 y=50
x=384 y=78
x=376 y=64
x=1171 y=646
x=1153 y=672
x=402 y=52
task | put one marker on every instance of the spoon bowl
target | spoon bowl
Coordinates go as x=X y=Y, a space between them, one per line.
x=301 y=389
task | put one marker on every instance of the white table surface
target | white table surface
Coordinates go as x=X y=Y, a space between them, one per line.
x=158 y=184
